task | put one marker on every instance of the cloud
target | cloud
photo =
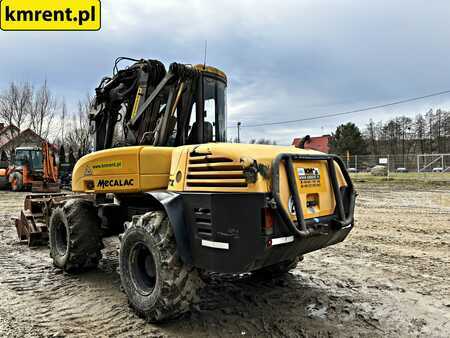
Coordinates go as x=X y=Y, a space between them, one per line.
x=285 y=59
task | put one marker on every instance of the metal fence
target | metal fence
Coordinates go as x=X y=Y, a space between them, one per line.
x=433 y=162
x=400 y=163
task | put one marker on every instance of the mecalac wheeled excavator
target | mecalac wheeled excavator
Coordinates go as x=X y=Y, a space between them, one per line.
x=184 y=201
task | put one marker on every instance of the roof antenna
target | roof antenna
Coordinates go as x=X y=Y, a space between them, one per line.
x=204 y=60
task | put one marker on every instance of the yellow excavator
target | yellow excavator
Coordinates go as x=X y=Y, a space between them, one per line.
x=183 y=201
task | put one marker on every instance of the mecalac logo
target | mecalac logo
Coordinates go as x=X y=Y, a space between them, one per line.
x=115 y=183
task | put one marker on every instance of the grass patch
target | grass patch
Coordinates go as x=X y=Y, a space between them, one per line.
x=437 y=179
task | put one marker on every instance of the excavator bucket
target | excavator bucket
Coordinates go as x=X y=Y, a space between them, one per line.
x=32 y=223
x=30 y=229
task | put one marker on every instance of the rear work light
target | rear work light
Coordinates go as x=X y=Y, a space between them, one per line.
x=267 y=221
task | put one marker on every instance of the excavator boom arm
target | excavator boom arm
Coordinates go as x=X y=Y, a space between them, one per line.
x=145 y=98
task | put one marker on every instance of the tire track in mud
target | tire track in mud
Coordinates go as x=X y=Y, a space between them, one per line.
x=91 y=304
x=365 y=286
x=57 y=303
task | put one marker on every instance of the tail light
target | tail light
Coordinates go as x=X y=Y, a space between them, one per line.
x=267 y=221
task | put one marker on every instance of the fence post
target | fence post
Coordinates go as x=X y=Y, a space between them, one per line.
x=418 y=163
x=389 y=163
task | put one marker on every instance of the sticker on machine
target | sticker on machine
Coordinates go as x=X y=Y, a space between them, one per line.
x=308 y=174
x=107 y=165
x=88 y=171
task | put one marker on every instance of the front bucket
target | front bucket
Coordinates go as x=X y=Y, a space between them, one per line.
x=28 y=229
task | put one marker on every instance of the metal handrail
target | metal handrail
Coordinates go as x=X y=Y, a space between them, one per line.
x=340 y=216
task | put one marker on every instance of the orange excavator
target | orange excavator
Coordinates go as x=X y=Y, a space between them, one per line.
x=34 y=169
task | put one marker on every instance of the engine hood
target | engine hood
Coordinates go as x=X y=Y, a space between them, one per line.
x=260 y=152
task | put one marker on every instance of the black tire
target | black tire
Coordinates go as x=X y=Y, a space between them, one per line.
x=278 y=269
x=16 y=181
x=75 y=236
x=158 y=285
x=4 y=183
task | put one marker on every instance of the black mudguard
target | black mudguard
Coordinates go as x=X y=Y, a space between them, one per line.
x=173 y=205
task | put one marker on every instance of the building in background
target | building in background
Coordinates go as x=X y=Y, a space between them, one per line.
x=11 y=138
x=319 y=143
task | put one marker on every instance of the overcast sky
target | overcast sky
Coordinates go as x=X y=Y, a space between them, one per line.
x=284 y=59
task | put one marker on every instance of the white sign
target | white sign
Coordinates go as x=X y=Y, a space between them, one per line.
x=306 y=174
x=383 y=161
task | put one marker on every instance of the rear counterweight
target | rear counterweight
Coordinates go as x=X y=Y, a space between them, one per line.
x=227 y=233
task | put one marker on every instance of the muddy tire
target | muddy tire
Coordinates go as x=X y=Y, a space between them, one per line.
x=75 y=236
x=16 y=181
x=277 y=269
x=158 y=285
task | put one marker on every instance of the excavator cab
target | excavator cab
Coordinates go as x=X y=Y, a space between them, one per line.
x=214 y=88
x=29 y=156
x=207 y=111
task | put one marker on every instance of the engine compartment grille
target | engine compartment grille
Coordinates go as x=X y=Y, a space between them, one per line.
x=205 y=170
x=202 y=217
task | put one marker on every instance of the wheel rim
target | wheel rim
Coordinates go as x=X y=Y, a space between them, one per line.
x=60 y=238
x=142 y=269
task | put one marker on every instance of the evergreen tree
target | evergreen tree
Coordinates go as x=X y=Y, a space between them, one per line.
x=348 y=137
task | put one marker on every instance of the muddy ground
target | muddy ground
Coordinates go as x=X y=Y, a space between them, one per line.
x=389 y=278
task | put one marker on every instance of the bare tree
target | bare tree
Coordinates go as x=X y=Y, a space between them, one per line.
x=438 y=130
x=43 y=111
x=63 y=117
x=420 y=126
x=371 y=137
x=15 y=103
x=446 y=129
x=78 y=137
x=428 y=133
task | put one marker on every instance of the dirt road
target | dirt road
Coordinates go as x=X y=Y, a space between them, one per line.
x=389 y=278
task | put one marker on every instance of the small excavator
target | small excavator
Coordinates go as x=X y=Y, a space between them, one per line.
x=183 y=201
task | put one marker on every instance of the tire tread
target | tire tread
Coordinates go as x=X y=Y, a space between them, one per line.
x=179 y=284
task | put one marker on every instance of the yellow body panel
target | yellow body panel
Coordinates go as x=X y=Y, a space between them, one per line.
x=154 y=167
x=212 y=167
x=123 y=170
x=263 y=154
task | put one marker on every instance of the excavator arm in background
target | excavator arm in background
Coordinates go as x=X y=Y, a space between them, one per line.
x=49 y=181
x=50 y=169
